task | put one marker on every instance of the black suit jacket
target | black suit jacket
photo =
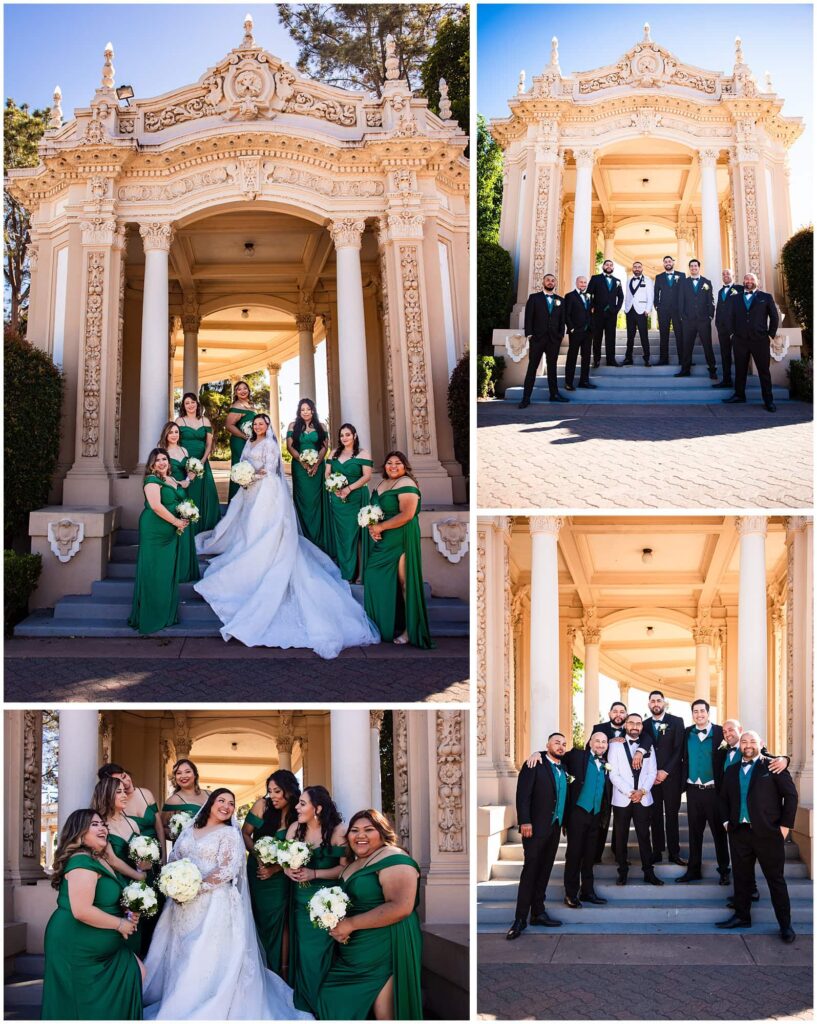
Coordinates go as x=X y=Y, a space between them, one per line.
x=771 y=800
x=576 y=762
x=645 y=742
x=694 y=305
x=577 y=316
x=664 y=297
x=540 y=324
x=759 y=322
x=597 y=286
x=723 y=312
x=717 y=761
x=536 y=796
x=667 y=744
x=763 y=750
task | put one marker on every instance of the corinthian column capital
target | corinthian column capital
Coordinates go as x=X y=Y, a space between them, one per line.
x=546 y=524
x=156 y=236
x=347 y=232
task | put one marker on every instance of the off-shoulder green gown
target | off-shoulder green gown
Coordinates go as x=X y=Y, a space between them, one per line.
x=237 y=443
x=270 y=898
x=372 y=955
x=310 y=949
x=309 y=495
x=202 y=490
x=156 y=588
x=187 y=564
x=90 y=973
x=345 y=533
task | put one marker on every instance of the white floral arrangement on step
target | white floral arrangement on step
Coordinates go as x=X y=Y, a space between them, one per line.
x=328 y=907
x=336 y=482
x=178 y=821
x=180 y=881
x=187 y=510
x=144 y=848
x=308 y=457
x=140 y=898
x=268 y=851
x=369 y=515
x=242 y=474
x=194 y=466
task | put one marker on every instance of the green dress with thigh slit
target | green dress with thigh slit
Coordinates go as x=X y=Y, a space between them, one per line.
x=373 y=955
x=309 y=495
x=187 y=564
x=202 y=490
x=156 y=588
x=345 y=533
x=382 y=593
x=90 y=973
x=237 y=443
x=270 y=898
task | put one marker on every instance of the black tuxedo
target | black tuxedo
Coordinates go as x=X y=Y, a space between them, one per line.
x=751 y=331
x=723 y=754
x=545 y=328
x=723 y=325
x=582 y=826
x=665 y=300
x=703 y=805
x=696 y=309
x=771 y=802
x=579 y=336
x=667 y=794
x=645 y=743
x=535 y=804
x=606 y=304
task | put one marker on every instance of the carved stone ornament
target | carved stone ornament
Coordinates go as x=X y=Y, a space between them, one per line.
x=174 y=189
x=285 y=736
x=246 y=173
x=156 y=236
x=383 y=311
x=747 y=525
x=401 y=777
x=65 y=537
x=347 y=233
x=98 y=231
x=285 y=174
x=482 y=649
x=538 y=265
x=92 y=352
x=181 y=734
x=516 y=346
x=32 y=722
x=450 y=782
x=376 y=720
x=779 y=347
x=406 y=224
x=374 y=117
x=648 y=66
x=451 y=538
x=415 y=351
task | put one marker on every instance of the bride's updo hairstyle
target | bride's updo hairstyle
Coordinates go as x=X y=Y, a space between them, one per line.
x=300 y=426
x=193 y=768
x=406 y=465
x=380 y=822
x=287 y=782
x=328 y=816
x=261 y=416
x=204 y=814
x=355 y=443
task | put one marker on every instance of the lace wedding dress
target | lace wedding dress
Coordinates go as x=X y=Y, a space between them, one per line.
x=269 y=585
x=204 y=961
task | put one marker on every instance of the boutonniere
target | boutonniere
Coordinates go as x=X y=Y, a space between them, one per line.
x=662 y=727
x=675 y=277
x=706 y=287
x=570 y=778
x=723 y=745
x=733 y=292
x=606 y=766
x=558 y=302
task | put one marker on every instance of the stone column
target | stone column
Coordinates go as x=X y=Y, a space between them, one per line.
x=50 y=836
x=683 y=249
x=544 y=230
x=351 y=760
x=801 y=610
x=274 y=397
x=582 y=260
x=22 y=807
x=609 y=244
x=191 y=322
x=347 y=234
x=592 y=652
x=710 y=215
x=284 y=741
x=375 y=724
x=153 y=390
x=702 y=635
x=752 y=625
x=624 y=694
x=306 y=349
x=544 y=645
x=79 y=748
x=171 y=356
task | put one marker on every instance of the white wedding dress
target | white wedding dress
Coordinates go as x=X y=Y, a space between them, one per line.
x=205 y=961
x=269 y=585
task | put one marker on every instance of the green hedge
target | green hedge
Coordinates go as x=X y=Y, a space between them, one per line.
x=20 y=575
x=490 y=370
x=459 y=410
x=33 y=406
x=801 y=373
x=797 y=262
x=494 y=291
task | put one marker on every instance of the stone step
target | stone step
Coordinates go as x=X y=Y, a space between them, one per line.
x=509 y=872
x=613 y=927
x=800 y=888
x=22 y=998
x=635 y=395
x=513 y=853
x=29 y=965
x=656 y=376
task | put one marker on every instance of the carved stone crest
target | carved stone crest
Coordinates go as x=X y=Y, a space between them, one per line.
x=65 y=537
x=451 y=538
x=516 y=345
x=778 y=347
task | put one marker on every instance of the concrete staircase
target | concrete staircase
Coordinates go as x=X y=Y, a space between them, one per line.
x=690 y=908
x=24 y=988
x=645 y=385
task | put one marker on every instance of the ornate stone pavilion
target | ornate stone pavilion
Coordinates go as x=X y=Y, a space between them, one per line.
x=718 y=607
x=641 y=158
x=239 y=749
x=230 y=225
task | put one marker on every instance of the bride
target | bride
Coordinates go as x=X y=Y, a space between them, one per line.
x=270 y=586
x=205 y=961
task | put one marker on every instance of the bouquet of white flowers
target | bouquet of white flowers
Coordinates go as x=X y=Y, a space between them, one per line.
x=177 y=822
x=140 y=898
x=242 y=474
x=308 y=457
x=144 y=848
x=180 y=880
x=187 y=510
x=292 y=853
x=327 y=907
x=246 y=429
x=194 y=466
x=336 y=482
x=369 y=515
x=267 y=850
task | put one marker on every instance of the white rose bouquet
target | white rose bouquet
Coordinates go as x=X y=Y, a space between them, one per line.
x=336 y=482
x=294 y=854
x=369 y=515
x=144 y=848
x=267 y=850
x=139 y=898
x=328 y=907
x=187 y=510
x=242 y=474
x=246 y=429
x=194 y=466
x=180 y=880
x=308 y=457
x=177 y=823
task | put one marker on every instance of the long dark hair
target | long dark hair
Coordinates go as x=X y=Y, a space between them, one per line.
x=199 y=408
x=404 y=460
x=201 y=818
x=104 y=799
x=106 y=771
x=380 y=822
x=286 y=781
x=164 y=443
x=150 y=463
x=300 y=426
x=185 y=760
x=355 y=445
x=238 y=384
x=260 y=416
x=329 y=816
x=71 y=833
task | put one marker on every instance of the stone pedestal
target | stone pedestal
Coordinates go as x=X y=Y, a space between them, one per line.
x=95 y=525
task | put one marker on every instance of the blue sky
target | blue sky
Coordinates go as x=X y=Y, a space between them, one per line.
x=776 y=38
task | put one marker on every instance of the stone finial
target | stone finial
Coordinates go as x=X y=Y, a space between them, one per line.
x=554 y=52
x=55 y=117
x=108 y=68
x=392 y=63
x=249 y=39
x=738 y=50
x=767 y=77
x=647 y=37
x=445 y=103
x=521 y=86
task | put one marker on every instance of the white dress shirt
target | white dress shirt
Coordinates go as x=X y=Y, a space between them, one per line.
x=621 y=775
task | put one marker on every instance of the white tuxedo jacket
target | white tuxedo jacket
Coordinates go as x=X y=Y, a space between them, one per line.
x=621 y=775
x=642 y=301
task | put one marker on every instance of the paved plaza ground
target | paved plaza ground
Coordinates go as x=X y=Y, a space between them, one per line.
x=207 y=669
x=645 y=977
x=644 y=456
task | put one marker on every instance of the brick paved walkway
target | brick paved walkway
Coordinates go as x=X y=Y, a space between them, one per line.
x=207 y=669
x=658 y=977
x=648 y=456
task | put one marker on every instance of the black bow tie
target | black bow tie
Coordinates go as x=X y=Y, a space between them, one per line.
x=748 y=762
x=701 y=730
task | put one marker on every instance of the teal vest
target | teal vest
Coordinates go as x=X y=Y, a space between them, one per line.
x=745 y=778
x=732 y=757
x=592 y=789
x=561 y=793
x=700 y=758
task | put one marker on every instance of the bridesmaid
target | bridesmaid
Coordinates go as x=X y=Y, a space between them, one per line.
x=356 y=465
x=187 y=564
x=140 y=804
x=187 y=794
x=90 y=973
x=241 y=412
x=197 y=438
x=393 y=593
x=378 y=959
x=156 y=588
x=270 y=889
x=308 y=490
x=310 y=949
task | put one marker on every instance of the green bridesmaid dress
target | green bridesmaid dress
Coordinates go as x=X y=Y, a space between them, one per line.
x=156 y=588
x=310 y=949
x=202 y=490
x=373 y=955
x=90 y=973
x=309 y=495
x=270 y=898
x=136 y=943
x=191 y=809
x=345 y=533
x=187 y=564
x=237 y=443
x=146 y=823
x=382 y=593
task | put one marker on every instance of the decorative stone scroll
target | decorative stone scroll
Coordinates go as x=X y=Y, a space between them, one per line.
x=516 y=346
x=287 y=175
x=752 y=221
x=181 y=734
x=178 y=113
x=31 y=781
x=65 y=537
x=92 y=352
x=415 y=350
x=482 y=650
x=156 y=236
x=541 y=226
x=402 y=822
x=383 y=311
x=174 y=189
x=451 y=538
x=303 y=102
x=450 y=782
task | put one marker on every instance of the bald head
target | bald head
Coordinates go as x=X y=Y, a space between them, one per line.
x=598 y=744
x=750 y=744
x=731 y=731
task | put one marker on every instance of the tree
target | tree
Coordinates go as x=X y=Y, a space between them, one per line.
x=489 y=183
x=577 y=679
x=345 y=44
x=21 y=133
x=450 y=58
x=797 y=259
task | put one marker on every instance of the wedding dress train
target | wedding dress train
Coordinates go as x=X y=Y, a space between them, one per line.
x=269 y=585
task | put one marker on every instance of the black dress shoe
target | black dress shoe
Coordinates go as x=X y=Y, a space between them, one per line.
x=546 y=921
x=614 y=363
x=570 y=387
x=662 y=362
x=573 y=903
x=734 y=400
x=724 y=384
x=558 y=397
x=627 y=362
x=682 y=373
x=596 y=364
x=621 y=879
x=724 y=879
x=587 y=384
x=787 y=934
x=657 y=858
x=734 y=922
x=593 y=898
x=687 y=877
x=647 y=362
x=679 y=860
x=770 y=407
x=713 y=375
x=516 y=930
x=523 y=405
x=731 y=903
x=652 y=878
